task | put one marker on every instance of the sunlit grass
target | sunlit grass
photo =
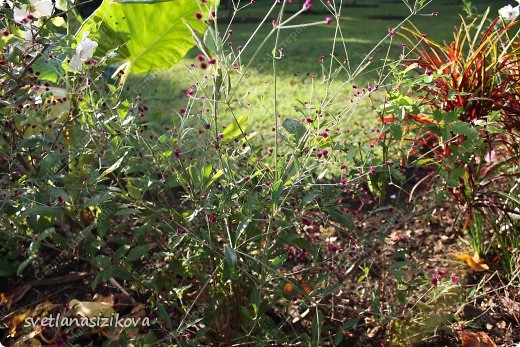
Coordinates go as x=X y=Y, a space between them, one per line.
x=360 y=33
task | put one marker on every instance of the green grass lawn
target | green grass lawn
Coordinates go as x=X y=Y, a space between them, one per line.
x=359 y=32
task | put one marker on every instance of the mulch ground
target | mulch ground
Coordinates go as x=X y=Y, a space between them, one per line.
x=483 y=310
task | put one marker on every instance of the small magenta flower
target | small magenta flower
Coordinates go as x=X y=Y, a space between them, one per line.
x=307 y=4
x=306 y=221
x=212 y=60
x=434 y=281
x=198 y=16
x=440 y=273
x=372 y=170
x=342 y=167
x=212 y=219
x=454 y=279
x=309 y=120
x=328 y=20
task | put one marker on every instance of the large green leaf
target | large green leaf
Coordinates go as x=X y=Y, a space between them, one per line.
x=146 y=36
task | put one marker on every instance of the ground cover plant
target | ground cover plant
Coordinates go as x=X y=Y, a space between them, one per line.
x=367 y=195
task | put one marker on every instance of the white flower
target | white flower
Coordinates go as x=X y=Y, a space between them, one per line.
x=42 y=8
x=37 y=8
x=28 y=40
x=31 y=46
x=509 y=13
x=84 y=51
x=20 y=14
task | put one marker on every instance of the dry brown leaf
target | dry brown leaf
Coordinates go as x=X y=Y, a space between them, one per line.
x=91 y=309
x=511 y=308
x=17 y=322
x=14 y=295
x=31 y=342
x=478 y=339
x=475 y=262
x=106 y=299
x=137 y=312
x=43 y=309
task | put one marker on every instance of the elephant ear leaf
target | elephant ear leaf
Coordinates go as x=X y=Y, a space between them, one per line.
x=146 y=36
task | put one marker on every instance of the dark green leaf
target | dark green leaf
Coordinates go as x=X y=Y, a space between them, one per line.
x=397 y=131
x=350 y=324
x=236 y=128
x=463 y=129
x=33 y=141
x=457 y=173
x=7 y=268
x=137 y=252
x=25 y=264
x=163 y=313
x=294 y=128
x=102 y=262
x=212 y=42
x=43 y=211
x=230 y=257
x=317 y=322
x=98 y=199
x=241 y=228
